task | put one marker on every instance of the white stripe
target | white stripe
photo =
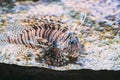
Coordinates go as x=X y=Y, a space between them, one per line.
x=46 y=33
x=19 y=37
x=38 y=32
x=51 y=36
x=42 y=30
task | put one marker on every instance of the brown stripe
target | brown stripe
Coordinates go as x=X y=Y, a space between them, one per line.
x=49 y=34
x=25 y=36
x=55 y=35
x=52 y=35
x=28 y=34
x=22 y=39
x=61 y=37
x=35 y=28
x=15 y=40
x=18 y=40
x=66 y=38
x=8 y=39
x=58 y=35
x=40 y=31
x=29 y=38
x=43 y=34
x=31 y=35
x=46 y=32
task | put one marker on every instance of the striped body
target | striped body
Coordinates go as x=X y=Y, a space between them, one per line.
x=46 y=33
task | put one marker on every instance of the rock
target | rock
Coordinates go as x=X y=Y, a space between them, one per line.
x=99 y=28
x=118 y=6
x=35 y=0
x=29 y=54
x=10 y=1
x=88 y=22
x=117 y=22
x=102 y=23
x=74 y=14
x=110 y=17
x=1 y=11
x=50 y=0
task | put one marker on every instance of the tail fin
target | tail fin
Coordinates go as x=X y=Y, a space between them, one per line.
x=3 y=40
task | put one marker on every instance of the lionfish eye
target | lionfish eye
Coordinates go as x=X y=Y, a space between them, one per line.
x=74 y=41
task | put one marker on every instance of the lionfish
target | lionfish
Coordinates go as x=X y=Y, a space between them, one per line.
x=47 y=32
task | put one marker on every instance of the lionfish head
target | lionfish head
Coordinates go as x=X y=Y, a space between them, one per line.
x=73 y=46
